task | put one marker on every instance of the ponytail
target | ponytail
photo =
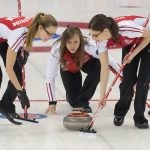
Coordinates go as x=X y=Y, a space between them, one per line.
x=113 y=27
x=100 y=22
x=45 y=20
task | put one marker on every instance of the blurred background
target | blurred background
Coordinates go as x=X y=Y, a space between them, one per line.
x=76 y=10
x=65 y=11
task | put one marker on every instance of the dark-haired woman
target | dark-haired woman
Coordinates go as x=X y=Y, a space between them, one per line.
x=122 y=32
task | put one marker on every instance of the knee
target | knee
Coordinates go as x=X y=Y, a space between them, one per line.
x=96 y=70
x=71 y=103
x=125 y=85
x=70 y=100
x=11 y=87
x=0 y=77
x=143 y=85
x=127 y=89
x=97 y=67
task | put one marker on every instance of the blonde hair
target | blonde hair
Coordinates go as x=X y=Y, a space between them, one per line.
x=42 y=19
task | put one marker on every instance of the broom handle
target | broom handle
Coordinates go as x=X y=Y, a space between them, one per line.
x=23 y=68
x=123 y=65
x=19 y=8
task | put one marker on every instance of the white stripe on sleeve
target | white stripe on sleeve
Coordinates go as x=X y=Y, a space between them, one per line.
x=52 y=69
x=130 y=29
x=114 y=65
x=16 y=38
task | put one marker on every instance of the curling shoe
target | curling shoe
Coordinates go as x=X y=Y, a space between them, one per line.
x=142 y=123
x=118 y=120
x=87 y=109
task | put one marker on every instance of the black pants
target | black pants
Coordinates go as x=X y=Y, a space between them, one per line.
x=1 y=77
x=76 y=94
x=136 y=72
x=10 y=94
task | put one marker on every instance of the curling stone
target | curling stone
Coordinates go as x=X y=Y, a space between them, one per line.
x=77 y=120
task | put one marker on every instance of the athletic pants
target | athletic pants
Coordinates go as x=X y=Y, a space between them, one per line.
x=78 y=95
x=10 y=93
x=137 y=72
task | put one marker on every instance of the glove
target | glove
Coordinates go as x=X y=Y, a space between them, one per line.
x=23 y=98
x=22 y=59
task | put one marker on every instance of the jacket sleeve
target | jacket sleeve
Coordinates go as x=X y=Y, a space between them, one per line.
x=52 y=69
x=95 y=49
x=114 y=66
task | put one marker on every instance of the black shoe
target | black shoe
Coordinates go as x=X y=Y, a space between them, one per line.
x=14 y=115
x=118 y=120
x=141 y=122
x=9 y=117
x=87 y=109
x=143 y=125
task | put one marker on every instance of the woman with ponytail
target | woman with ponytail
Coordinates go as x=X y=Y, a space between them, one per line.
x=16 y=37
x=122 y=32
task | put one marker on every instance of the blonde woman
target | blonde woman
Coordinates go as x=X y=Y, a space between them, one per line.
x=17 y=33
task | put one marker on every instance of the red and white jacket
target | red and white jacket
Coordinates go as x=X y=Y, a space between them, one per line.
x=130 y=28
x=71 y=64
x=90 y=48
x=14 y=30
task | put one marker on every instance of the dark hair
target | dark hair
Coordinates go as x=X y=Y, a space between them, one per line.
x=45 y=20
x=100 y=22
x=78 y=55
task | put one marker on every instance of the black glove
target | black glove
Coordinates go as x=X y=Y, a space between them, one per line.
x=23 y=98
x=53 y=103
x=22 y=59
